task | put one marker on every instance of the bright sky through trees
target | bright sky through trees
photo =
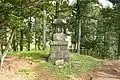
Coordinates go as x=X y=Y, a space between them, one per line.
x=105 y=3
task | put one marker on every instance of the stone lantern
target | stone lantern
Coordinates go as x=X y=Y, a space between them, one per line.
x=59 y=47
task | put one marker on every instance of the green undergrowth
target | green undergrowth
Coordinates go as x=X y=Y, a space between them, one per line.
x=31 y=55
x=23 y=71
x=78 y=64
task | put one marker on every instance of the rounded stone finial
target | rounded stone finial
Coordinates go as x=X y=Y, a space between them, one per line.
x=59 y=21
x=59 y=24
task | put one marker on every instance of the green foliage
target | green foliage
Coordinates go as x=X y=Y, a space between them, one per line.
x=78 y=65
x=23 y=71
x=100 y=29
x=31 y=55
x=84 y=63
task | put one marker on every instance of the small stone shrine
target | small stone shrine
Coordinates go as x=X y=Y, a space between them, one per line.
x=59 y=47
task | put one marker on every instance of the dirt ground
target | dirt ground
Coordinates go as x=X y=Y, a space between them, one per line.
x=109 y=71
x=13 y=68
x=17 y=68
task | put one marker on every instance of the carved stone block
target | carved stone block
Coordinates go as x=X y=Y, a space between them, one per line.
x=58 y=51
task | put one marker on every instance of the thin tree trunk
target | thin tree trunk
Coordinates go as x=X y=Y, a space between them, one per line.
x=44 y=31
x=14 y=43
x=21 y=40
x=17 y=44
x=119 y=45
x=0 y=39
x=57 y=10
x=79 y=26
x=0 y=49
x=35 y=41
x=7 y=47
x=35 y=35
x=74 y=47
x=79 y=37
x=29 y=34
x=39 y=43
x=29 y=45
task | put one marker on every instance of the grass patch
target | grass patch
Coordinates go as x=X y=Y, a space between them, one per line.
x=83 y=64
x=78 y=64
x=31 y=55
x=23 y=71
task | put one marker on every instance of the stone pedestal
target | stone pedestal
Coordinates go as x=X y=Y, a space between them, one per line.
x=59 y=48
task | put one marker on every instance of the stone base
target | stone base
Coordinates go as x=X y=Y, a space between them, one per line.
x=58 y=51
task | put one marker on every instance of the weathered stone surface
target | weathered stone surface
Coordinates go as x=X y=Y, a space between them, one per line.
x=59 y=37
x=63 y=48
x=59 y=47
x=59 y=50
x=58 y=55
x=59 y=25
x=59 y=62
x=54 y=48
x=59 y=43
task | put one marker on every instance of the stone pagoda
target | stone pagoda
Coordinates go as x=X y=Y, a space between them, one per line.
x=59 y=47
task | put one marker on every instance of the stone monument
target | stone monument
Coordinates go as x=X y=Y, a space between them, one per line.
x=59 y=47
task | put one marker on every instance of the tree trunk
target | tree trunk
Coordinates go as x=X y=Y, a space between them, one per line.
x=79 y=26
x=119 y=45
x=29 y=34
x=35 y=42
x=21 y=40
x=28 y=45
x=7 y=47
x=79 y=37
x=0 y=48
x=74 y=47
x=44 y=31
x=14 y=43
x=35 y=35
x=39 y=43
x=0 y=39
x=57 y=9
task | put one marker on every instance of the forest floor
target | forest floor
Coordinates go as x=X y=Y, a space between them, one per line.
x=19 y=68
x=110 y=70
